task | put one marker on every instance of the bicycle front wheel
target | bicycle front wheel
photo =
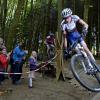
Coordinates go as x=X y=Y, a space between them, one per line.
x=90 y=82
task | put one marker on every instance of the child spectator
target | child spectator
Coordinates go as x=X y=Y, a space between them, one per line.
x=3 y=64
x=32 y=65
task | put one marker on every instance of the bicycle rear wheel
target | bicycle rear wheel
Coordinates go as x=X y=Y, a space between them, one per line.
x=51 y=53
x=90 y=82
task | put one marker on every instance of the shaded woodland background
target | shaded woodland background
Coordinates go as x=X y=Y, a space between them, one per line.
x=23 y=20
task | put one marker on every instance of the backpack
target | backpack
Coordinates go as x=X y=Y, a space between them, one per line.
x=3 y=61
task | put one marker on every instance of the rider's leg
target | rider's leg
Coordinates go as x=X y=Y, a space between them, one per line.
x=87 y=50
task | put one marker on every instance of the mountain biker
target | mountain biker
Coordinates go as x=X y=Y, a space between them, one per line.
x=50 y=41
x=70 y=32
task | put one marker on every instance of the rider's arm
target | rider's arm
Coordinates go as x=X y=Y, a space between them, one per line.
x=65 y=39
x=85 y=25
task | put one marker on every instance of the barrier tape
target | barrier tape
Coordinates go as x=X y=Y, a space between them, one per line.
x=47 y=62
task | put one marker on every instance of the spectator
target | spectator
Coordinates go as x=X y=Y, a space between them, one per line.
x=32 y=65
x=3 y=64
x=18 y=58
x=50 y=41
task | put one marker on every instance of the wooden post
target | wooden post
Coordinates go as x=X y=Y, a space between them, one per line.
x=59 y=43
x=59 y=58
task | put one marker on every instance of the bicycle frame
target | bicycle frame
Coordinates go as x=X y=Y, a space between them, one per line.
x=80 y=50
x=84 y=69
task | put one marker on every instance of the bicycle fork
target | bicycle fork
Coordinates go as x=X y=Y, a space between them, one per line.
x=86 y=59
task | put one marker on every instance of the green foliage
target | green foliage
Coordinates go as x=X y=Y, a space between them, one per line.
x=40 y=16
x=11 y=7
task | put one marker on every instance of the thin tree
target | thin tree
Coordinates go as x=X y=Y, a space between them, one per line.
x=15 y=24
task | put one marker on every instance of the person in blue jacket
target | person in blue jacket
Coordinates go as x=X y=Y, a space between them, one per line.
x=18 y=58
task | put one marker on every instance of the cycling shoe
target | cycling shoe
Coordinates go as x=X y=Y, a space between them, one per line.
x=90 y=70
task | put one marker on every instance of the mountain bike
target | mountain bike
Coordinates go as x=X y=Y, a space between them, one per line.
x=86 y=71
x=51 y=51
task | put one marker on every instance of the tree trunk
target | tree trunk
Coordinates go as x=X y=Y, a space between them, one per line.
x=99 y=23
x=15 y=24
x=31 y=28
x=98 y=28
x=3 y=14
x=46 y=18
x=86 y=9
x=4 y=18
x=59 y=58
x=86 y=12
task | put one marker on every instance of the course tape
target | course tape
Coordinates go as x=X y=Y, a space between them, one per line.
x=46 y=63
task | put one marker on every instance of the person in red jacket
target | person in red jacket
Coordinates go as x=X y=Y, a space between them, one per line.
x=3 y=64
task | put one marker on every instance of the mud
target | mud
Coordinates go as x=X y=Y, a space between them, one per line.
x=44 y=88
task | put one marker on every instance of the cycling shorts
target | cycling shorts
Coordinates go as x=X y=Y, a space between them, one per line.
x=73 y=36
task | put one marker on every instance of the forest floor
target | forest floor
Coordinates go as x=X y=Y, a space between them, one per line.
x=45 y=88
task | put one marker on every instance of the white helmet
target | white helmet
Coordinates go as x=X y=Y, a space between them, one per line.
x=66 y=12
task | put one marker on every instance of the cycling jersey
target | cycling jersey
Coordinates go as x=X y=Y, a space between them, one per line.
x=70 y=28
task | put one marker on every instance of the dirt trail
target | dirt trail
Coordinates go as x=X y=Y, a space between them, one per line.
x=45 y=88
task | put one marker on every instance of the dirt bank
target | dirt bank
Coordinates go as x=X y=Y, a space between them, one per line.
x=45 y=88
